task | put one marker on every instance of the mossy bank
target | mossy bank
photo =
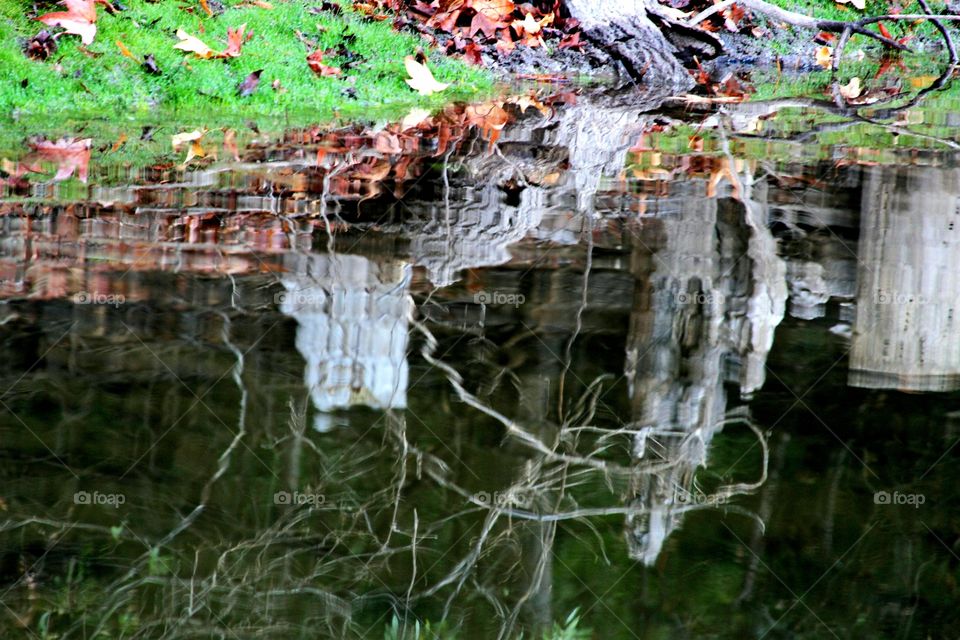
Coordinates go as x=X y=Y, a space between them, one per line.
x=99 y=80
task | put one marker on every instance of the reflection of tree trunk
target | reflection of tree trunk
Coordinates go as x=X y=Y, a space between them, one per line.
x=353 y=319
x=906 y=325
x=710 y=292
x=580 y=146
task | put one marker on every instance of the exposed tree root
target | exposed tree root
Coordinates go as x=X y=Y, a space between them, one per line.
x=844 y=28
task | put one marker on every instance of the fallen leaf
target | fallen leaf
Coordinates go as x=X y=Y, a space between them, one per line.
x=71 y=155
x=193 y=45
x=122 y=140
x=824 y=57
x=206 y=8
x=530 y=25
x=852 y=89
x=421 y=78
x=315 y=61
x=883 y=31
x=235 y=40
x=249 y=84
x=230 y=144
x=571 y=41
x=494 y=9
x=79 y=19
x=194 y=138
x=126 y=52
x=859 y=4
x=150 y=65
x=414 y=118
x=41 y=46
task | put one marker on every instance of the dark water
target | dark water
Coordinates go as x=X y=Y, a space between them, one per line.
x=685 y=386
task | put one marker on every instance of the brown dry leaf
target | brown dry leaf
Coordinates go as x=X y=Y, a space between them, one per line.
x=490 y=117
x=421 y=78
x=493 y=9
x=315 y=61
x=193 y=45
x=79 y=19
x=194 y=138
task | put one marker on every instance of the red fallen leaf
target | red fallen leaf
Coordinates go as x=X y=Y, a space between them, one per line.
x=571 y=41
x=235 y=40
x=883 y=31
x=79 y=19
x=732 y=17
x=886 y=63
x=824 y=37
x=445 y=21
x=71 y=155
x=701 y=76
x=471 y=53
x=315 y=60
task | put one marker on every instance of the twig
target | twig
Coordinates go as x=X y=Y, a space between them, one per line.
x=947 y=40
x=844 y=28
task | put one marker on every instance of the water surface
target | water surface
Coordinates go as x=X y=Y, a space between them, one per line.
x=689 y=372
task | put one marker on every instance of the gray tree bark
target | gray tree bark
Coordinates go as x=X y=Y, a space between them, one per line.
x=626 y=37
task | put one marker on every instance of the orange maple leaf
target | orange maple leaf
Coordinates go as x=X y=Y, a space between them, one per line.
x=235 y=40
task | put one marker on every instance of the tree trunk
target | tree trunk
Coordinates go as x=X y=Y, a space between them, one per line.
x=627 y=38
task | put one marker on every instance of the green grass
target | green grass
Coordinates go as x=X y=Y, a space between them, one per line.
x=72 y=83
